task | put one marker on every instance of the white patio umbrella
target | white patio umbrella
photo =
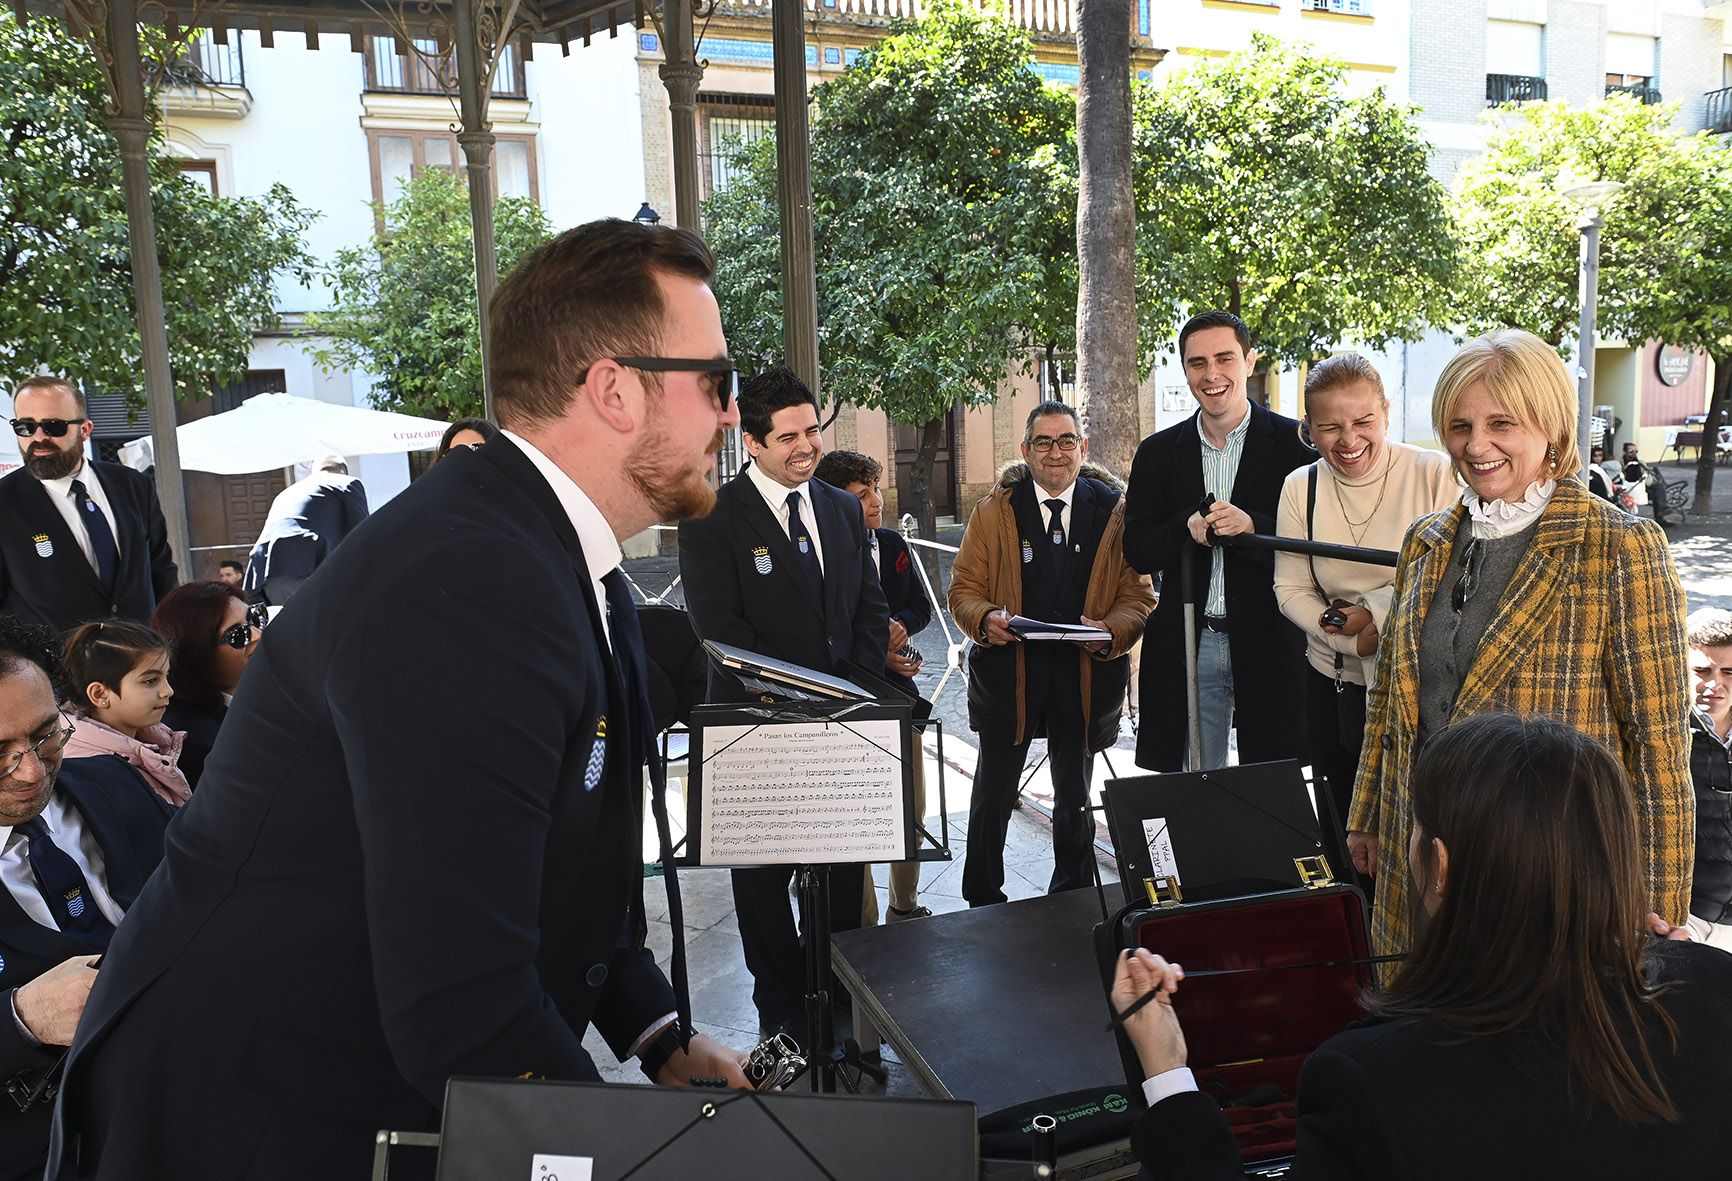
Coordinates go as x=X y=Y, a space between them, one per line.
x=270 y=431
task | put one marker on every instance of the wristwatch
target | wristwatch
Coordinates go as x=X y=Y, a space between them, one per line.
x=662 y=1048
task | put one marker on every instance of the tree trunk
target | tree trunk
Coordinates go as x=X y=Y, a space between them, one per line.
x=1709 y=453
x=1106 y=310
x=920 y=478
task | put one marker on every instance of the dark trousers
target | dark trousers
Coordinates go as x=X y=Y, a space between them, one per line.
x=997 y=775
x=773 y=946
x=1335 y=761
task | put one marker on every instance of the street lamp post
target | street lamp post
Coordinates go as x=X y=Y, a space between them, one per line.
x=1589 y=198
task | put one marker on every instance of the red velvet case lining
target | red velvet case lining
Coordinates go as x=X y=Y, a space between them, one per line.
x=1255 y=1029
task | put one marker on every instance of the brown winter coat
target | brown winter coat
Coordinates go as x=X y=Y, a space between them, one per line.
x=987 y=575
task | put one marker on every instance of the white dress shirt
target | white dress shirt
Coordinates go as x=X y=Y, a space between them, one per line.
x=60 y=492
x=776 y=496
x=601 y=551
x=1220 y=473
x=1167 y=1084
x=70 y=835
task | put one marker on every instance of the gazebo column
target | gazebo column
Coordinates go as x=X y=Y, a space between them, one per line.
x=131 y=124
x=476 y=140
x=680 y=73
x=794 y=184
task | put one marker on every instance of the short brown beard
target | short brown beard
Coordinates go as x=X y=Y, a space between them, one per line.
x=671 y=495
x=54 y=467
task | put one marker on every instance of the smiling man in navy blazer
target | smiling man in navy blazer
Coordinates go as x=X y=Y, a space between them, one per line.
x=784 y=567
x=79 y=540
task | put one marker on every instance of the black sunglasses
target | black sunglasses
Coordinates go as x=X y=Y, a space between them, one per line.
x=54 y=428
x=1469 y=575
x=241 y=634
x=726 y=387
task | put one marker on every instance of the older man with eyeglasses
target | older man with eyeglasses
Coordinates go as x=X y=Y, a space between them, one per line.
x=79 y=539
x=80 y=840
x=1046 y=544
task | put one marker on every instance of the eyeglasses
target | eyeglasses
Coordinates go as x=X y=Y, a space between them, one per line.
x=725 y=383
x=241 y=634
x=1041 y=445
x=43 y=748
x=1469 y=574
x=54 y=428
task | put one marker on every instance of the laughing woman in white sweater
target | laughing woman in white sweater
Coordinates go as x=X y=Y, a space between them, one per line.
x=1364 y=490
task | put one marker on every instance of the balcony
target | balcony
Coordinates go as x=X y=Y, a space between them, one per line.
x=1645 y=94
x=1050 y=17
x=1514 y=88
x=1718 y=115
x=426 y=70
x=209 y=80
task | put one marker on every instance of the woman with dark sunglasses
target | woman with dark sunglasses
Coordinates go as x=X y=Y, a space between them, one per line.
x=214 y=633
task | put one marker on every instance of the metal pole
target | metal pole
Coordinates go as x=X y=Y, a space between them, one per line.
x=681 y=75
x=1194 y=723
x=1590 y=226
x=132 y=126
x=476 y=139
x=794 y=184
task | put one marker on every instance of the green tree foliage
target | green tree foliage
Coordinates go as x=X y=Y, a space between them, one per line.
x=403 y=305
x=1665 y=252
x=65 y=265
x=1263 y=188
x=943 y=206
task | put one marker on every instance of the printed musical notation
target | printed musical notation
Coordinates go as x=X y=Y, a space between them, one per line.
x=802 y=792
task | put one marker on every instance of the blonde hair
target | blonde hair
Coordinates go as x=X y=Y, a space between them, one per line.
x=1526 y=377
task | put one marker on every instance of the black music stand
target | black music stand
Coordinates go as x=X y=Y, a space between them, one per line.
x=543 y=1131
x=1234 y=830
x=763 y=820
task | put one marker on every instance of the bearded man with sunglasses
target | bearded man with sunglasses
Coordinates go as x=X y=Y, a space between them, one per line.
x=79 y=539
x=400 y=866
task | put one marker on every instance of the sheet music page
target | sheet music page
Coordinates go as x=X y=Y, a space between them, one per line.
x=802 y=793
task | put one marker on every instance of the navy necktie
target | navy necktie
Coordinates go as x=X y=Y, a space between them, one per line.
x=1055 y=529
x=802 y=539
x=63 y=887
x=629 y=658
x=102 y=546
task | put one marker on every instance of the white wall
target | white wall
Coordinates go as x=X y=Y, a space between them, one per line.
x=591 y=143
x=1376 y=47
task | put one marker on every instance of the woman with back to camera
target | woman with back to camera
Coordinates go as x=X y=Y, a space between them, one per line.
x=1536 y=1030
x=1530 y=596
x=1365 y=489
x=214 y=636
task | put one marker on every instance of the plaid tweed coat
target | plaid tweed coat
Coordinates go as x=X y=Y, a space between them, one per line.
x=1590 y=633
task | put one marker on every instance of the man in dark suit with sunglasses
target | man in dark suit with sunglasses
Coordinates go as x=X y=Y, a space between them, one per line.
x=399 y=867
x=79 y=539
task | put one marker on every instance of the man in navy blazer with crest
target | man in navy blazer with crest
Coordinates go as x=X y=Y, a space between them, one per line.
x=51 y=931
x=783 y=567
x=79 y=539
x=400 y=866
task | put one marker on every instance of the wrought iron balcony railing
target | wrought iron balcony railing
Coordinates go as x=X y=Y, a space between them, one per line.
x=1644 y=94
x=1718 y=116
x=425 y=70
x=1514 y=88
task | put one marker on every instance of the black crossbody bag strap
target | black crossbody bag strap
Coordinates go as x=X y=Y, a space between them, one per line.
x=1310 y=560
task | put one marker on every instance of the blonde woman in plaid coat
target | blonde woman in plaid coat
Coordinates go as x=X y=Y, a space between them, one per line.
x=1531 y=596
